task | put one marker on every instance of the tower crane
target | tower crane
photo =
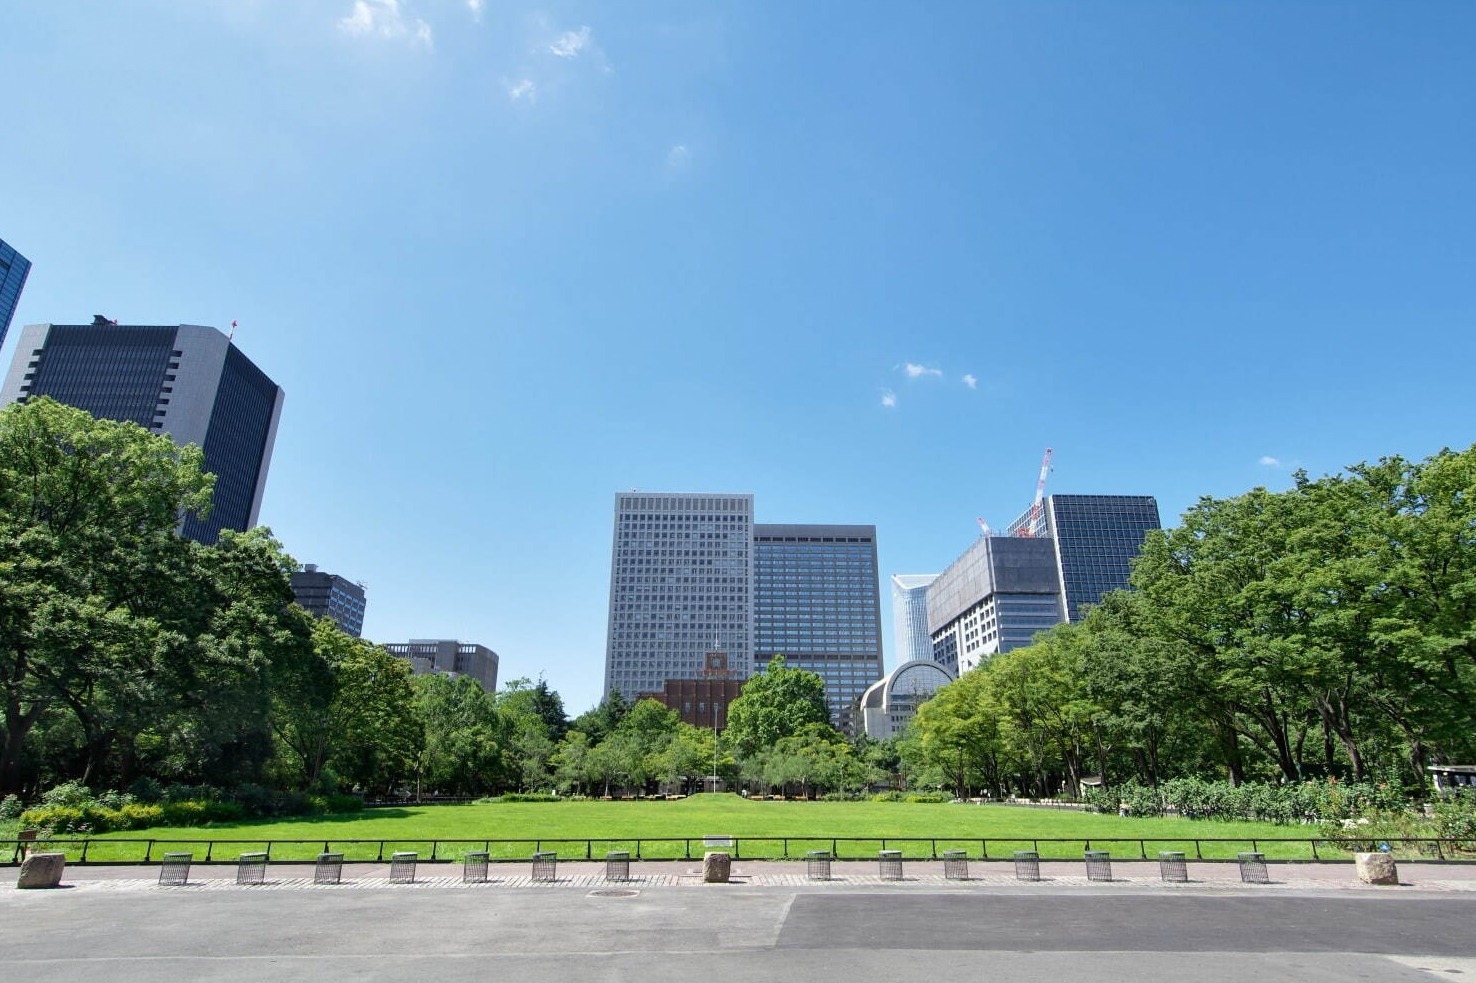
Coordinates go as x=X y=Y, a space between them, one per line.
x=1037 y=508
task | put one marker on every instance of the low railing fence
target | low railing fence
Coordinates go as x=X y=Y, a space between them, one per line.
x=123 y=850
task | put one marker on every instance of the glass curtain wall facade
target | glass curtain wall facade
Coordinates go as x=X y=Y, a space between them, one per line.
x=14 y=268
x=681 y=585
x=910 y=617
x=187 y=381
x=1097 y=538
x=817 y=602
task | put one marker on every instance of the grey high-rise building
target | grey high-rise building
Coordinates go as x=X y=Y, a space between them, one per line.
x=327 y=595
x=13 y=271
x=910 y=617
x=184 y=380
x=681 y=586
x=1051 y=566
x=817 y=603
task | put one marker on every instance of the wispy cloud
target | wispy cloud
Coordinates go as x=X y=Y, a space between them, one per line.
x=889 y=399
x=915 y=371
x=970 y=380
x=522 y=90
x=570 y=43
x=385 y=19
x=1271 y=462
x=475 y=6
x=678 y=157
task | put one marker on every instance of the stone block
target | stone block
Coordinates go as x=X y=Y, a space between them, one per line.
x=716 y=866
x=1376 y=868
x=42 y=870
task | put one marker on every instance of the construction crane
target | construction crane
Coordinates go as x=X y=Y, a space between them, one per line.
x=984 y=529
x=1037 y=508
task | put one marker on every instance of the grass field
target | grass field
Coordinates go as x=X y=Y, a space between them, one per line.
x=763 y=829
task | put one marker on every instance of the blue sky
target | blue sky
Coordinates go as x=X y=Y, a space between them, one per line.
x=508 y=259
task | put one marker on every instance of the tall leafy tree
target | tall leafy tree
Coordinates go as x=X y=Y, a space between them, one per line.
x=88 y=512
x=778 y=702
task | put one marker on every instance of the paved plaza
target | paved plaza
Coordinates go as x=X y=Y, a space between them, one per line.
x=1313 y=922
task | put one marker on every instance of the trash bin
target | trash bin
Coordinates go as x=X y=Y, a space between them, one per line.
x=545 y=866
x=817 y=865
x=1253 y=868
x=329 y=869
x=955 y=865
x=1171 y=866
x=402 y=867
x=617 y=865
x=251 y=868
x=890 y=862
x=1098 y=865
x=175 y=868
x=1027 y=865
x=474 y=868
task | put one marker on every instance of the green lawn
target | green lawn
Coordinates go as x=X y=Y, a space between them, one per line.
x=761 y=827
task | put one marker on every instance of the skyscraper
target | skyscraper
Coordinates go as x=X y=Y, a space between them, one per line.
x=327 y=595
x=1097 y=538
x=13 y=271
x=992 y=599
x=681 y=585
x=1049 y=568
x=817 y=603
x=910 y=617
x=184 y=380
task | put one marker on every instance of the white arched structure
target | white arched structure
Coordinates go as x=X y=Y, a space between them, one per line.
x=890 y=703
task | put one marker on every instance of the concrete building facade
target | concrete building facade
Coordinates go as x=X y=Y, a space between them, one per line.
x=449 y=657
x=1050 y=567
x=187 y=381
x=681 y=585
x=327 y=595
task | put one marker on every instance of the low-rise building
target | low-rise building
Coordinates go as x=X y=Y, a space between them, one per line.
x=449 y=657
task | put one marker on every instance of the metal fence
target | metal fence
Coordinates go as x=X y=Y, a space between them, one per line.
x=123 y=850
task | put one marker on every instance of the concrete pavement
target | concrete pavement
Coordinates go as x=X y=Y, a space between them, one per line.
x=1314 y=923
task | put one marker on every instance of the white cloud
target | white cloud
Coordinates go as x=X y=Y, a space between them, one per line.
x=915 y=371
x=384 y=19
x=570 y=43
x=522 y=89
x=1271 y=462
x=889 y=399
x=970 y=380
x=475 y=6
x=678 y=157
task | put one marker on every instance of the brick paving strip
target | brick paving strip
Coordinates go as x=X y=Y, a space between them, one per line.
x=920 y=874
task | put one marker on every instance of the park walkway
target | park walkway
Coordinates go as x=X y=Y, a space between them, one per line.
x=1135 y=876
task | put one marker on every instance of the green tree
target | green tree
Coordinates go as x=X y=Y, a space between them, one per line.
x=464 y=734
x=779 y=702
x=88 y=511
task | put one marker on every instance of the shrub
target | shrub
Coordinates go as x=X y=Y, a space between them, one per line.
x=71 y=793
x=11 y=808
x=524 y=797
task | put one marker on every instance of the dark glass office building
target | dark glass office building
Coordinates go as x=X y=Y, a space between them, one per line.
x=186 y=381
x=817 y=602
x=327 y=595
x=14 y=268
x=1097 y=538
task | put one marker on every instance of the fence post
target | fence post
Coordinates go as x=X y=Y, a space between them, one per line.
x=149 y=852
